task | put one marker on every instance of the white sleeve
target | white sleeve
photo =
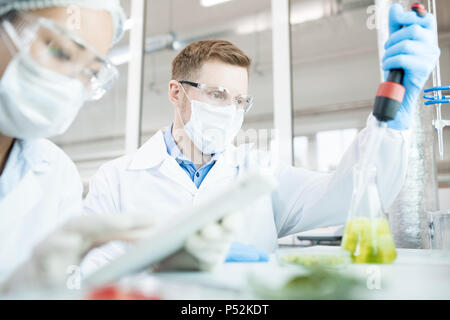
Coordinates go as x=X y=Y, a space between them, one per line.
x=70 y=204
x=103 y=196
x=306 y=200
x=103 y=199
x=101 y=256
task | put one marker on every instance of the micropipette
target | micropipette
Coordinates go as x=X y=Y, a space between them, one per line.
x=388 y=100
x=391 y=92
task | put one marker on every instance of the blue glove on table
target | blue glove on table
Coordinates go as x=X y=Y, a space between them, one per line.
x=240 y=252
x=414 y=49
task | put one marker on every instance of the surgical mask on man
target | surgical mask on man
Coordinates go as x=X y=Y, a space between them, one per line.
x=36 y=102
x=213 y=128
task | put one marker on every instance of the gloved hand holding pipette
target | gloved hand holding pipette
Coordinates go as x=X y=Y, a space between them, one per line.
x=412 y=46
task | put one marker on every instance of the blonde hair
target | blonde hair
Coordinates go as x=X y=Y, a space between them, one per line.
x=189 y=61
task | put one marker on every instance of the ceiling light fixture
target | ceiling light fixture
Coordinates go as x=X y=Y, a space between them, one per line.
x=210 y=3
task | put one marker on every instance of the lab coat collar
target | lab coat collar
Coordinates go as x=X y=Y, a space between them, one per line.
x=226 y=167
x=154 y=153
x=151 y=154
x=175 y=152
x=31 y=152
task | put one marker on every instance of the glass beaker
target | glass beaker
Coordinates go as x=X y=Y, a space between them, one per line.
x=367 y=235
x=440 y=229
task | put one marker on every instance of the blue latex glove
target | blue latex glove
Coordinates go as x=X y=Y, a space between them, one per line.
x=414 y=49
x=240 y=252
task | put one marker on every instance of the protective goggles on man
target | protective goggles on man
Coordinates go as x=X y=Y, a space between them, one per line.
x=55 y=48
x=219 y=96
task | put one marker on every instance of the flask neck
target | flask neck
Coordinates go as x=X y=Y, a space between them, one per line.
x=365 y=199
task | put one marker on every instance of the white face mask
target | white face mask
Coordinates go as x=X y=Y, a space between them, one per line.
x=213 y=128
x=36 y=102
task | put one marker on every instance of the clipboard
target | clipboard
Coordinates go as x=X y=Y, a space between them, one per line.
x=171 y=236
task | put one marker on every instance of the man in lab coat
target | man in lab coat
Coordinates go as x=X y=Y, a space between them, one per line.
x=191 y=159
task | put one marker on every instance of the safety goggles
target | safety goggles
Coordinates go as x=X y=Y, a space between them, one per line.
x=55 y=48
x=219 y=96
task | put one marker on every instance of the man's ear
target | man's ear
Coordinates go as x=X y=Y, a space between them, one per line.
x=174 y=91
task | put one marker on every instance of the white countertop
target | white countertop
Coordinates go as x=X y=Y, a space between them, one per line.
x=415 y=274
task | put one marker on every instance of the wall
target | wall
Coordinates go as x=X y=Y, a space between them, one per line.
x=335 y=70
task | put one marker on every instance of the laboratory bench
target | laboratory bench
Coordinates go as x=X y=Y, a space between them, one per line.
x=415 y=274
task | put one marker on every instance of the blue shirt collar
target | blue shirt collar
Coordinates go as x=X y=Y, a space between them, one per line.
x=175 y=152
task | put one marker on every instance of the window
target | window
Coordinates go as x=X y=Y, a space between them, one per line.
x=331 y=146
x=301 y=152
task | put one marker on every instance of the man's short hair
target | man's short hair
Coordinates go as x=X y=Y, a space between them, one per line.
x=190 y=60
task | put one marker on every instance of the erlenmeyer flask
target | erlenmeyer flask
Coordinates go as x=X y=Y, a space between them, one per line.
x=367 y=235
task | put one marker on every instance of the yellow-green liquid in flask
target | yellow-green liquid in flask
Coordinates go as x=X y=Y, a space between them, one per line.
x=369 y=240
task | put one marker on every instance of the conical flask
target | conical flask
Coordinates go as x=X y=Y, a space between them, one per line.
x=367 y=235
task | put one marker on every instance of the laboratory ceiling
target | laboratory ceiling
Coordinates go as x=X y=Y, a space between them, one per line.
x=187 y=16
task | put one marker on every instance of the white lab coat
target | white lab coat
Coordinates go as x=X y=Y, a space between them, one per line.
x=40 y=188
x=151 y=181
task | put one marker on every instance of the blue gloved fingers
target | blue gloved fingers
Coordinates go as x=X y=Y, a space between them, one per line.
x=416 y=56
x=417 y=70
x=413 y=65
x=401 y=121
x=414 y=32
x=407 y=47
x=421 y=64
x=240 y=252
x=242 y=256
x=405 y=62
x=398 y=18
x=263 y=256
